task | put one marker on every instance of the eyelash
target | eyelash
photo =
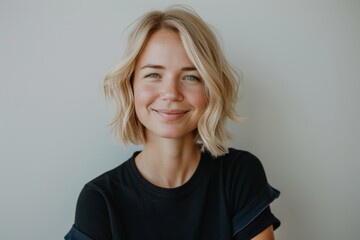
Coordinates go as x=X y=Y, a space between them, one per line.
x=152 y=75
x=194 y=78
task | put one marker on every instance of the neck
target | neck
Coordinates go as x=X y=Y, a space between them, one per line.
x=168 y=163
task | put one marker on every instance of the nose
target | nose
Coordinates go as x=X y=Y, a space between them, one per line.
x=171 y=90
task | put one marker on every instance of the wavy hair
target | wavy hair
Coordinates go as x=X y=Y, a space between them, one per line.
x=203 y=49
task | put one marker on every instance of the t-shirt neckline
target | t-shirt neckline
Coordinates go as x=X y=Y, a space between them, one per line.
x=161 y=192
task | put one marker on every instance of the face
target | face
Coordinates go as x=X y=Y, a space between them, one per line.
x=168 y=91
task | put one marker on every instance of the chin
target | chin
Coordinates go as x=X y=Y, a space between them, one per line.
x=171 y=134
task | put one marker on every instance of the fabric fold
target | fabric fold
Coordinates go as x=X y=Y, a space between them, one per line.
x=75 y=234
x=254 y=208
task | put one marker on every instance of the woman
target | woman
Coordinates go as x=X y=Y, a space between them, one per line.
x=173 y=92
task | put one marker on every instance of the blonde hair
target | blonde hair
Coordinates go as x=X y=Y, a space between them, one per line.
x=202 y=47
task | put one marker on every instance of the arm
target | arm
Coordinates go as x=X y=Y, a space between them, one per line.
x=267 y=234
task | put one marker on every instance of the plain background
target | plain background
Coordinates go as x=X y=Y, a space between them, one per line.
x=300 y=97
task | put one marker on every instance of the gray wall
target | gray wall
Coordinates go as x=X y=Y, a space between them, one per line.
x=300 y=98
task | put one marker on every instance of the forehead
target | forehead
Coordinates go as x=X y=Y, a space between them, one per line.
x=164 y=47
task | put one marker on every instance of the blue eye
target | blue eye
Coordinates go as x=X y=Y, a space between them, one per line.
x=191 y=78
x=152 y=75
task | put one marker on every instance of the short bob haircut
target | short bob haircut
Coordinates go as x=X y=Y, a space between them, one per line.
x=202 y=47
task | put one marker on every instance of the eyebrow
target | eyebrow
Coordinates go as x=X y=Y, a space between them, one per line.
x=190 y=68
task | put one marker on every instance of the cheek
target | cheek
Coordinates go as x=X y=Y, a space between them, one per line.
x=199 y=99
x=142 y=96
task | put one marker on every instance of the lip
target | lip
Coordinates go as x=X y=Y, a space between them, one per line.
x=171 y=114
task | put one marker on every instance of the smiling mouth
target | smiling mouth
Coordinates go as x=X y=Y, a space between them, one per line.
x=169 y=114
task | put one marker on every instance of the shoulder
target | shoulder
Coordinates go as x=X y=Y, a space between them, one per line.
x=237 y=156
x=97 y=191
x=243 y=177
x=241 y=163
x=95 y=202
x=107 y=180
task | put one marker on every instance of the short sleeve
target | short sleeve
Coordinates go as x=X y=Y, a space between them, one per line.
x=75 y=234
x=92 y=216
x=256 y=216
x=250 y=196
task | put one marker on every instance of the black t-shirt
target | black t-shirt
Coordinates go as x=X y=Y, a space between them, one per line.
x=227 y=197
